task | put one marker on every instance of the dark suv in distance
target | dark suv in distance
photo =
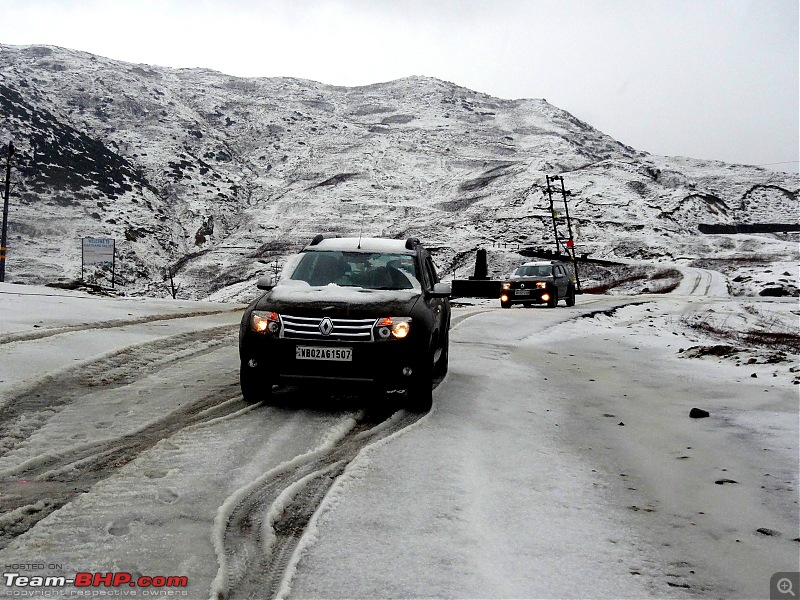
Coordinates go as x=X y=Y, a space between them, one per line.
x=540 y=282
x=352 y=311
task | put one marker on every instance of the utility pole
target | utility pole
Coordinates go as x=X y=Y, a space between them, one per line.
x=570 y=244
x=552 y=208
x=5 y=213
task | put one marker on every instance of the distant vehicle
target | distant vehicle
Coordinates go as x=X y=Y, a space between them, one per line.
x=540 y=282
x=351 y=312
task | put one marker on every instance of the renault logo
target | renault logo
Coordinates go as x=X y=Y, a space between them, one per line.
x=325 y=326
x=522 y=285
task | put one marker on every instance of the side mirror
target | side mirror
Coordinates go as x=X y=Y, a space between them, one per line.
x=267 y=282
x=441 y=290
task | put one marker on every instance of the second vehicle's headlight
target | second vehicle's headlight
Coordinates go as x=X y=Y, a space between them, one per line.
x=506 y=285
x=268 y=323
x=541 y=285
x=392 y=327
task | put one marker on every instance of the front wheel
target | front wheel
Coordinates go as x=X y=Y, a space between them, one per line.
x=255 y=387
x=420 y=392
x=553 y=299
x=441 y=366
x=571 y=297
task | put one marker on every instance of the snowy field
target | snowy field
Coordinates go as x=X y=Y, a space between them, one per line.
x=559 y=459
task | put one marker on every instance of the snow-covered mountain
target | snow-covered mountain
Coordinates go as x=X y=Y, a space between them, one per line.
x=219 y=176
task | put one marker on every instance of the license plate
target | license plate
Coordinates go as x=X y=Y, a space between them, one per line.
x=323 y=353
x=522 y=292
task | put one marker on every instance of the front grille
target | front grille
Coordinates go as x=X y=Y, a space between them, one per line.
x=308 y=328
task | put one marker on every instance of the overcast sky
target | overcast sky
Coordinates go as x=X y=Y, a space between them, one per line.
x=713 y=79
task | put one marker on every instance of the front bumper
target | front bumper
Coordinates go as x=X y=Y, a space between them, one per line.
x=533 y=296
x=387 y=363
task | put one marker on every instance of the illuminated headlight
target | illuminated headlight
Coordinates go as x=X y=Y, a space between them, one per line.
x=392 y=327
x=541 y=285
x=506 y=285
x=545 y=297
x=265 y=322
x=503 y=298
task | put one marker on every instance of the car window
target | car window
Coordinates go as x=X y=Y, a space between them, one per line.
x=368 y=270
x=432 y=277
x=534 y=271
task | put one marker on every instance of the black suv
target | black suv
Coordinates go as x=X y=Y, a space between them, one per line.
x=349 y=311
x=542 y=282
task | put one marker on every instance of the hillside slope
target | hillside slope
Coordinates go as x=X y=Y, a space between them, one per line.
x=217 y=175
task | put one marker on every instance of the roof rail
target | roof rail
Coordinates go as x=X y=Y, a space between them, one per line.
x=411 y=242
x=322 y=236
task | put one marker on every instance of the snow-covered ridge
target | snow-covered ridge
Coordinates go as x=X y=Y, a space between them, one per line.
x=218 y=176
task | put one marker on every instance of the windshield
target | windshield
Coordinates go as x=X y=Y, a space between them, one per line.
x=368 y=270
x=534 y=271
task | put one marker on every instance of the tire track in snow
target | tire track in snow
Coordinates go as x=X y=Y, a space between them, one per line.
x=41 y=485
x=259 y=527
x=25 y=336
x=29 y=408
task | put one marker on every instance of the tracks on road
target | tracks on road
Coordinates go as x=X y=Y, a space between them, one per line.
x=260 y=527
x=29 y=408
x=34 y=488
x=25 y=336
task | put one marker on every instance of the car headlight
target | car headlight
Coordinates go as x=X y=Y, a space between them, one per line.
x=268 y=323
x=392 y=328
x=541 y=285
x=506 y=285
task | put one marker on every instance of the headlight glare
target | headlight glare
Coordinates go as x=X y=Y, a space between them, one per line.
x=541 y=285
x=392 y=328
x=265 y=322
x=506 y=285
x=401 y=329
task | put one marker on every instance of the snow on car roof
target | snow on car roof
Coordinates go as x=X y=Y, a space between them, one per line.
x=367 y=245
x=537 y=263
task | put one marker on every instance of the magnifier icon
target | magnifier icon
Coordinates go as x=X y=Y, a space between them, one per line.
x=785 y=587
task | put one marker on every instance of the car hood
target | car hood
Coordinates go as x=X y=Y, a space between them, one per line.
x=301 y=299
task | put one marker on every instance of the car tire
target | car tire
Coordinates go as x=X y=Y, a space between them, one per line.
x=441 y=366
x=420 y=393
x=570 y=299
x=553 y=299
x=255 y=387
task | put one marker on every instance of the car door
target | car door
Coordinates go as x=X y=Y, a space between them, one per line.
x=437 y=305
x=562 y=281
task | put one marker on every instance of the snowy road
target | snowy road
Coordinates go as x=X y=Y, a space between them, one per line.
x=559 y=459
